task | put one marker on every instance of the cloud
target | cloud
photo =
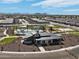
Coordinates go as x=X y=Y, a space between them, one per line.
x=56 y=3
x=70 y=10
x=10 y=1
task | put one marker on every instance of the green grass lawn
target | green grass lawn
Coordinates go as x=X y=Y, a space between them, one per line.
x=7 y=40
x=58 y=26
x=74 y=33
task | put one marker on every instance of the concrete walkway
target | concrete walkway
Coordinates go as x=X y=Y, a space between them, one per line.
x=41 y=49
x=2 y=38
x=5 y=32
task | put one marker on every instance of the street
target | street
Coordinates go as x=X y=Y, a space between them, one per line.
x=56 y=55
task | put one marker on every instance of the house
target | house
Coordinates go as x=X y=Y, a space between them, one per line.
x=65 y=29
x=24 y=32
x=40 y=38
x=9 y=21
x=26 y=35
x=47 y=38
x=40 y=21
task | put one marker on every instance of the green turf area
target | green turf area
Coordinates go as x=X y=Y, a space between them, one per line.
x=7 y=40
x=57 y=26
x=74 y=33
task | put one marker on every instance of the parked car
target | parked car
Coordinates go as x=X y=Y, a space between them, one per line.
x=28 y=41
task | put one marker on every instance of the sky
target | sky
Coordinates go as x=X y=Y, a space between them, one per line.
x=55 y=7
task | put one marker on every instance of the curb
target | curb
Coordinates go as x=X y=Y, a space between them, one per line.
x=52 y=51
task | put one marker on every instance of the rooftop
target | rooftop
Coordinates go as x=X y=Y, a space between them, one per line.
x=9 y=20
x=48 y=36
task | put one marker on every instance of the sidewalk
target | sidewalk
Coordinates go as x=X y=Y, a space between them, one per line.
x=2 y=38
x=5 y=33
x=41 y=49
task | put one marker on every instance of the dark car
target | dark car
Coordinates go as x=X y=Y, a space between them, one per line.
x=28 y=41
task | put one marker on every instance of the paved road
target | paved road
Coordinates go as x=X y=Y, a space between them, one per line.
x=74 y=27
x=56 y=55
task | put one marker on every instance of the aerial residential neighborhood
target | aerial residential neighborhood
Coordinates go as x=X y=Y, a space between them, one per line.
x=19 y=34
x=39 y=29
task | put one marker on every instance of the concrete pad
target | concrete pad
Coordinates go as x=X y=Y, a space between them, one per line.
x=41 y=49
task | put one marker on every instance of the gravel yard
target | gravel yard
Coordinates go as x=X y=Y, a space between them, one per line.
x=69 y=40
x=17 y=46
